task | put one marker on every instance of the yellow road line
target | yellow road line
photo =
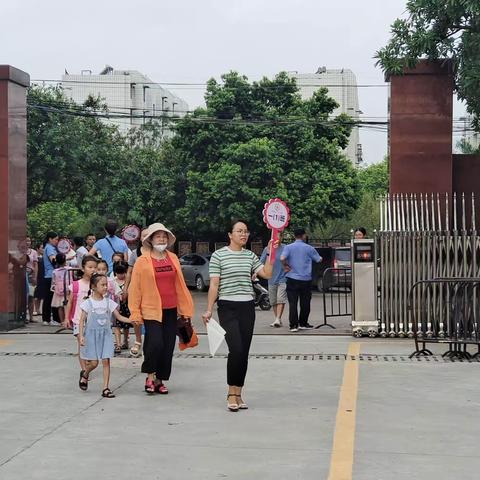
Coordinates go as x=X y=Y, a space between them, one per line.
x=3 y=343
x=341 y=462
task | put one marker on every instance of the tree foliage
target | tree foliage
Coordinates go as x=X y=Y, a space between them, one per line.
x=374 y=182
x=77 y=161
x=254 y=141
x=374 y=179
x=251 y=142
x=468 y=148
x=71 y=155
x=437 y=29
x=147 y=186
x=61 y=217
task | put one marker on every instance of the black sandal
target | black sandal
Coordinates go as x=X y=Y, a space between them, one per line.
x=83 y=385
x=107 y=393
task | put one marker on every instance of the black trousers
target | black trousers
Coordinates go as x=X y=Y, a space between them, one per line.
x=47 y=310
x=298 y=290
x=159 y=343
x=238 y=320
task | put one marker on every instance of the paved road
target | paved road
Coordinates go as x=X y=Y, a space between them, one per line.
x=263 y=319
x=315 y=413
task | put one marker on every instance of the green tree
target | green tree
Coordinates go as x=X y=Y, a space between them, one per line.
x=467 y=148
x=437 y=29
x=374 y=178
x=61 y=217
x=71 y=154
x=148 y=188
x=374 y=182
x=257 y=140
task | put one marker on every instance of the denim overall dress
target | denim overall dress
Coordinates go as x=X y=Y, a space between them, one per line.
x=98 y=334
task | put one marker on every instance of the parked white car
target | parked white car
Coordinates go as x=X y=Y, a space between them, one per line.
x=195 y=270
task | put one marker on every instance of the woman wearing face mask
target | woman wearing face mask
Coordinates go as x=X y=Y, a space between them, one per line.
x=157 y=294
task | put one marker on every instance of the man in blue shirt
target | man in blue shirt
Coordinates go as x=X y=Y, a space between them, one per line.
x=277 y=285
x=110 y=244
x=297 y=260
x=49 y=256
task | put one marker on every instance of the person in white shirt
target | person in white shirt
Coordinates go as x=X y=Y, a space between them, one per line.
x=80 y=250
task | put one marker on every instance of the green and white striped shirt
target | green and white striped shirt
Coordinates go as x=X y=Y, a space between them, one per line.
x=235 y=270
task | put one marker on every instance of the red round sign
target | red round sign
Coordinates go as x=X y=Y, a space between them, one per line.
x=64 y=245
x=131 y=233
x=276 y=214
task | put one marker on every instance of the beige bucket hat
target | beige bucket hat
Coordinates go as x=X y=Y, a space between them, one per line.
x=157 y=227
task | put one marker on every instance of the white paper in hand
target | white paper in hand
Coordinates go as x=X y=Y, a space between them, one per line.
x=216 y=334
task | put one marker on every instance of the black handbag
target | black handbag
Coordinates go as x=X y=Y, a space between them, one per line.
x=184 y=329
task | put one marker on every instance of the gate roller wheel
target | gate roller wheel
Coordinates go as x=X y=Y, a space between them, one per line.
x=372 y=333
x=358 y=333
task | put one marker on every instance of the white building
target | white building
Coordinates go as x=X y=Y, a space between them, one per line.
x=342 y=87
x=131 y=97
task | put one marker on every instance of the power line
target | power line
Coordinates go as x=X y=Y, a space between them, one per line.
x=111 y=109
x=176 y=85
x=204 y=119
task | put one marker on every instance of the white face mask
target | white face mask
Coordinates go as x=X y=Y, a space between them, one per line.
x=160 y=248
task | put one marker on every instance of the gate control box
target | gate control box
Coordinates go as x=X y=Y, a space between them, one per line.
x=364 y=288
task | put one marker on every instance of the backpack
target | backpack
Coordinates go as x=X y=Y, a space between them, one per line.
x=75 y=288
x=59 y=281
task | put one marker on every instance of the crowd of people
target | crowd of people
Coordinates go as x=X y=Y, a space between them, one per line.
x=102 y=285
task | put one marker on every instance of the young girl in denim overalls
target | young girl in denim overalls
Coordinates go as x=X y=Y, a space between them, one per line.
x=96 y=341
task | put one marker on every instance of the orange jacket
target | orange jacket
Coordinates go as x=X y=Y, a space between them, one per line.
x=144 y=299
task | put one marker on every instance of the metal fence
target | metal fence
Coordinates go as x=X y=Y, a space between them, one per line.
x=422 y=237
x=446 y=310
x=337 y=286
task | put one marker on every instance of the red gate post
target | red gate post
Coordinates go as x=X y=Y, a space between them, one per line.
x=421 y=109
x=13 y=195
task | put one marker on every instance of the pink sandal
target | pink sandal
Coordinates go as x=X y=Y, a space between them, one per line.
x=149 y=386
x=161 y=388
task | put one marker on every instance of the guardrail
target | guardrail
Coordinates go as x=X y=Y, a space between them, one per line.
x=446 y=311
x=337 y=299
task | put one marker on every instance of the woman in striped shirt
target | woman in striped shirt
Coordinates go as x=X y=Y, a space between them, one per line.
x=231 y=270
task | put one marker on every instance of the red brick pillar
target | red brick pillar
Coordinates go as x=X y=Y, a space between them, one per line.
x=13 y=195
x=421 y=129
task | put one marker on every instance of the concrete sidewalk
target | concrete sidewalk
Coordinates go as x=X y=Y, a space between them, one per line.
x=414 y=419
x=262 y=325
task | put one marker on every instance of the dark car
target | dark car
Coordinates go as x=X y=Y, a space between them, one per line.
x=337 y=258
x=195 y=270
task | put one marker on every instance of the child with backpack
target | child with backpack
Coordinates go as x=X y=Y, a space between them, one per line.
x=78 y=292
x=60 y=282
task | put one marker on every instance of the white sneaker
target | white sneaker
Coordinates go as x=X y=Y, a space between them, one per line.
x=294 y=329
x=45 y=323
x=53 y=323
x=277 y=323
